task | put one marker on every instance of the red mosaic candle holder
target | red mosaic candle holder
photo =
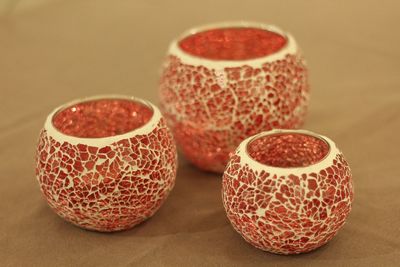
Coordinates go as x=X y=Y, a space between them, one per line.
x=106 y=163
x=287 y=191
x=224 y=82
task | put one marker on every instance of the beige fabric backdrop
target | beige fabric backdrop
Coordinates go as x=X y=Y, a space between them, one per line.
x=67 y=49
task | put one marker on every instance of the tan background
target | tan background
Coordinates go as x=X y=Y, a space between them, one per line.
x=56 y=51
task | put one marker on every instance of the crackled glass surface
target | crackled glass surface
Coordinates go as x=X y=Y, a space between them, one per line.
x=102 y=118
x=288 y=150
x=233 y=43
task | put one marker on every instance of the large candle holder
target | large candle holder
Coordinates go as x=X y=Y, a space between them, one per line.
x=224 y=82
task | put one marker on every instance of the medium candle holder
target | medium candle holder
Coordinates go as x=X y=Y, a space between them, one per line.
x=106 y=163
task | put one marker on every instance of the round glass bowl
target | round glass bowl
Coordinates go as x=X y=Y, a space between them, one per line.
x=287 y=191
x=222 y=83
x=106 y=163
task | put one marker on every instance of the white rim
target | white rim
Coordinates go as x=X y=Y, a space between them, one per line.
x=101 y=141
x=255 y=165
x=289 y=48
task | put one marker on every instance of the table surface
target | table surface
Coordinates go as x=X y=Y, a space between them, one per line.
x=68 y=49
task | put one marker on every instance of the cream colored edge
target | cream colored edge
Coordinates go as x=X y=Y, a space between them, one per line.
x=103 y=141
x=241 y=151
x=290 y=48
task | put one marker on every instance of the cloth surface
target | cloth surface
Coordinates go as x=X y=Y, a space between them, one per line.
x=69 y=49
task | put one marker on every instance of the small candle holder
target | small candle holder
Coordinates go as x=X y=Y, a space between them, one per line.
x=224 y=82
x=287 y=191
x=106 y=163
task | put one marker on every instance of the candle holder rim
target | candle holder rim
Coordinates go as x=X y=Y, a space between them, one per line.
x=315 y=167
x=101 y=141
x=289 y=48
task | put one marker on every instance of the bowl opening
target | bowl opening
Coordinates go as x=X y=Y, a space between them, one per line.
x=100 y=118
x=233 y=43
x=288 y=150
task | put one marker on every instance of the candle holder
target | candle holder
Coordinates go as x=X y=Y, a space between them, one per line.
x=106 y=163
x=224 y=82
x=287 y=191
